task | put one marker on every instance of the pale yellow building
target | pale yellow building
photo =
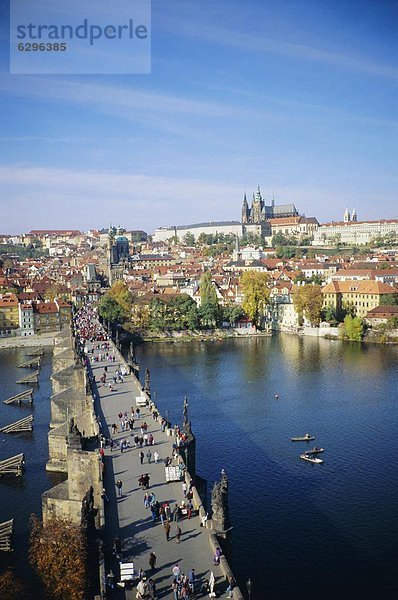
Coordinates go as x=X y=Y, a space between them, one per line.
x=361 y=295
x=9 y=314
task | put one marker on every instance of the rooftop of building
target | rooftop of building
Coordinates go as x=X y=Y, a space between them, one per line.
x=359 y=287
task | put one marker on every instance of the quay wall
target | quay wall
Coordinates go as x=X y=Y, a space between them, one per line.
x=31 y=341
x=71 y=398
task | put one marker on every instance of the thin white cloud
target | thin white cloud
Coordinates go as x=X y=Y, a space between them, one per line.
x=117 y=98
x=88 y=196
x=267 y=45
x=310 y=108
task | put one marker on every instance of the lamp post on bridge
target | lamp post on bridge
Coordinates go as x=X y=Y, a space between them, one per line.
x=249 y=586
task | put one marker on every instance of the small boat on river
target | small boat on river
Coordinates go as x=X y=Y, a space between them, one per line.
x=312 y=459
x=314 y=450
x=304 y=438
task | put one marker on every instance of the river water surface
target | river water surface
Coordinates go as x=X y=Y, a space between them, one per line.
x=299 y=529
x=19 y=497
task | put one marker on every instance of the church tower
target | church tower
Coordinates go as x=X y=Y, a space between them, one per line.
x=354 y=215
x=346 y=217
x=111 y=235
x=257 y=206
x=245 y=210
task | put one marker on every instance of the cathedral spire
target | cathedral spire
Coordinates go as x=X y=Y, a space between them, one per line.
x=245 y=210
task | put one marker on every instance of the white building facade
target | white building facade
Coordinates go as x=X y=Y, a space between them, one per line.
x=354 y=232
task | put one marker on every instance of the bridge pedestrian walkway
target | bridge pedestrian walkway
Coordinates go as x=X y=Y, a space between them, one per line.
x=127 y=517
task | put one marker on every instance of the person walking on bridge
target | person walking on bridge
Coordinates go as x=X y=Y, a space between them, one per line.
x=119 y=485
x=176 y=572
x=166 y=528
x=178 y=534
x=152 y=561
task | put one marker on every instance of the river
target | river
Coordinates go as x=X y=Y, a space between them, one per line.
x=19 y=497
x=298 y=528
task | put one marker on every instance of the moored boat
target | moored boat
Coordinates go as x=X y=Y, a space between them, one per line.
x=304 y=438
x=312 y=459
x=314 y=450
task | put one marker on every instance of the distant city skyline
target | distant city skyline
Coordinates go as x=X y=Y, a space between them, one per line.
x=297 y=97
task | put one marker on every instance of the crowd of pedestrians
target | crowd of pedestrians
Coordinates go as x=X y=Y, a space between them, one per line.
x=130 y=431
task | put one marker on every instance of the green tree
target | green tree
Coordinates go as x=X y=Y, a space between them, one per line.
x=308 y=301
x=159 y=319
x=330 y=315
x=189 y=239
x=173 y=314
x=389 y=299
x=58 y=553
x=209 y=311
x=301 y=278
x=22 y=252
x=348 y=308
x=392 y=322
x=109 y=309
x=186 y=312
x=232 y=313
x=256 y=292
x=285 y=252
x=120 y=292
x=353 y=328
x=279 y=240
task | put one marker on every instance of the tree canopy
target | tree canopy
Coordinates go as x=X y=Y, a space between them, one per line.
x=308 y=301
x=256 y=295
x=11 y=587
x=116 y=304
x=22 y=252
x=232 y=313
x=120 y=292
x=109 y=309
x=58 y=553
x=189 y=239
x=209 y=311
x=173 y=314
x=353 y=328
x=389 y=299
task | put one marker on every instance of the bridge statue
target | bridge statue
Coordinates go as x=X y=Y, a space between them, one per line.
x=88 y=511
x=185 y=410
x=219 y=505
x=147 y=384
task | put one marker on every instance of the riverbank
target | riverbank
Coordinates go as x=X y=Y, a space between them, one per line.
x=45 y=339
x=202 y=336
x=371 y=336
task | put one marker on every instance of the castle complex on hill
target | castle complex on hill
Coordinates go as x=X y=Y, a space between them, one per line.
x=260 y=220
x=260 y=212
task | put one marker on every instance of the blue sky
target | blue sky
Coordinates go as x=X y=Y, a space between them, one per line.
x=298 y=97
